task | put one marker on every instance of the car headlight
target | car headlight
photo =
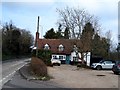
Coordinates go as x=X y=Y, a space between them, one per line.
x=94 y=64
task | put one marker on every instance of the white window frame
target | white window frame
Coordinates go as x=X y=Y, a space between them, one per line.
x=58 y=57
x=61 y=47
x=46 y=47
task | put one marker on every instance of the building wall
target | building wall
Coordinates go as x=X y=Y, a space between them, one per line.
x=87 y=58
x=73 y=54
x=60 y=57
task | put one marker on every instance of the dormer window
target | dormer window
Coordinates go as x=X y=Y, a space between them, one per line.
x=61 y=47
x=46 y=47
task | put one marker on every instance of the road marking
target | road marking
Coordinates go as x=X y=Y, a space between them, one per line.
x=16 y=64
x=11 y=73
x=7 y=76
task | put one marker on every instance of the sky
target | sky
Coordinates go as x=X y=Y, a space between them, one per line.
x=24 y=14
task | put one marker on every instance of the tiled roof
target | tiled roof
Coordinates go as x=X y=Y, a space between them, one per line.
x=54 y=44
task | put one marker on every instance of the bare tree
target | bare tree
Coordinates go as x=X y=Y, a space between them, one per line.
x=108 y=35
x=75 y=19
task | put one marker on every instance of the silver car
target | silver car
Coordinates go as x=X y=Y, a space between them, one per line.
x=55 y=62
x=103 y=64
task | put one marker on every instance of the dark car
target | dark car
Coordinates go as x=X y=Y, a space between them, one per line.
x=116 y=67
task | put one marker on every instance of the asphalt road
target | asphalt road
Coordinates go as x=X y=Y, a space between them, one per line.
x=12 y=78
x=18 y=82
x=10 y=67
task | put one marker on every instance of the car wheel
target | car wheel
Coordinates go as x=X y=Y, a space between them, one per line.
x=58 y=64
x=116 y=73
x=51 y=65
x=98 y=67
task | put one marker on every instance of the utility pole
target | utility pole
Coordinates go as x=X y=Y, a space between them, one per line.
x=37 y=37
x=118 y=47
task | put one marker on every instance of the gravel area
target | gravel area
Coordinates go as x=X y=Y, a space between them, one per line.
x=71 y=77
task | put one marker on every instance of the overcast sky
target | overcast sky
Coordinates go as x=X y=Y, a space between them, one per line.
x=24 y=14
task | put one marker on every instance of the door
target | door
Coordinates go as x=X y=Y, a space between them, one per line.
x=67 y=59
x=107 y=64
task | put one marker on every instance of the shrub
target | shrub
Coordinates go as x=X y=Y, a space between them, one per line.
x=44 y=55
x=33 y=53
x=38 y=67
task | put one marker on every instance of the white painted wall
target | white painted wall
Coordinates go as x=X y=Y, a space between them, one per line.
x=73 y=54
x=87 y=58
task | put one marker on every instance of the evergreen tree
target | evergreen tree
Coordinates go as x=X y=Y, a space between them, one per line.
x=50 y=34
x=86 y=37
x=58 y=35
x=59 y=28
x=96 y=45
x=100 y=46
x=66 y=33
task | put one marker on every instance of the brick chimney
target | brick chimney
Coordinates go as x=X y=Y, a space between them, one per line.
x=37 y=34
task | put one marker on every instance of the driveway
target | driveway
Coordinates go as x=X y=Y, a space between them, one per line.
x=70 y=77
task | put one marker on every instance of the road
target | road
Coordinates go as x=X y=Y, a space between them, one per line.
x=10 y=67
x=18 y=82
x=13 y=79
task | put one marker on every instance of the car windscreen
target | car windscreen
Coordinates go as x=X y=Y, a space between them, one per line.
x=117 y=62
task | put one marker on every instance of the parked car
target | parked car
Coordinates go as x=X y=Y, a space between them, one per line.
x=116 y=67
x=103 y=64
x=55 y=62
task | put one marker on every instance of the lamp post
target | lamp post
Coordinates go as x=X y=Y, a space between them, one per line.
x=118 y=50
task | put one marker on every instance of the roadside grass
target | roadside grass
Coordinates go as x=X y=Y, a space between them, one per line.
x=45 y=78
x=6 y=57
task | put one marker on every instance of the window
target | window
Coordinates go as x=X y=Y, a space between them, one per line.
x=60 y=57
x=108 y=62
x=75 y=59
x=55 y=57
x=61 y=47
x=46 y=47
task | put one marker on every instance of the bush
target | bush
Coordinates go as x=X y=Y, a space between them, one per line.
x=44 y=55
x=33 y=53
x=38 y=67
